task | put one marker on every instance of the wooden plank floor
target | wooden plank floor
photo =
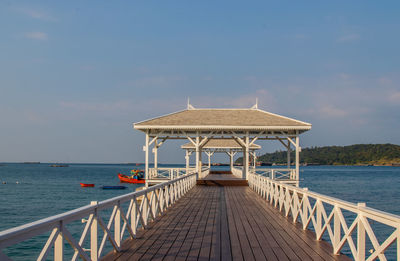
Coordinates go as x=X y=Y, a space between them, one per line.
x=220 y=177
x=224 y=223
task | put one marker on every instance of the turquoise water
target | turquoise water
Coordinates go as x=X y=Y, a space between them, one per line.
x=43 y=191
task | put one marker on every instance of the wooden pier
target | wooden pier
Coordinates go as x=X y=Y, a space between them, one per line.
x=193 y=213
x=224 y=223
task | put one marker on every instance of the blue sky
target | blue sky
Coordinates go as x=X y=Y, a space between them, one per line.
x=74 y=75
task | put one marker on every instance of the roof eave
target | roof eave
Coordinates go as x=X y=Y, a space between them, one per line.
x=215 y=127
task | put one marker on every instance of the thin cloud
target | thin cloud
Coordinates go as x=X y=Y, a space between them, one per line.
x=36 y=36
x=97 y=107
x=331 y=111
x=36 y=14
x=349 y=38
x=395 y=97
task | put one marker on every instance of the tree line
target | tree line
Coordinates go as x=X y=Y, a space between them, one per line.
x=379 y=154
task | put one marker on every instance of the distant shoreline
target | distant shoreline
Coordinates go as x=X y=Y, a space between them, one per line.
x=352 y=155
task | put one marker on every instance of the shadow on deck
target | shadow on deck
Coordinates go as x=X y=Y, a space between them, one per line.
x=221 y=179
x=224 y=223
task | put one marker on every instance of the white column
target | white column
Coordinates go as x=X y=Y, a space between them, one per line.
x=146 y=166
x=254 y=159
x=187 y=161
x=288 y=154
x=297 y=156
x=247 y=155
x=200 y=161
x=244 y=163
x=197 y=155
x=209 y=159
x=231 y=159
x=155 y=151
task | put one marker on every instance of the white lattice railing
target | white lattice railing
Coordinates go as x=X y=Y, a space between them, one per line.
x=142 y=207
x=237 y=172
x=368 y=233
x=276 y=174
x=169 y=173
x=204 y=172
x=284 y=175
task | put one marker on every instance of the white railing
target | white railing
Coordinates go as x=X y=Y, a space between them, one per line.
x=237 y=172
x=344 y=224
x=169 y=173
x=143 y=206
x=204 y=172
x=276 y=174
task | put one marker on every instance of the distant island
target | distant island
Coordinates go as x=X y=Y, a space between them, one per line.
x=358 y=154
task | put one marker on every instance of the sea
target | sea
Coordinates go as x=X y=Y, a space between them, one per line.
x=29 y=192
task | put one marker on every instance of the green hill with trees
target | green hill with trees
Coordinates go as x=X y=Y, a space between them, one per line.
x=359 y=154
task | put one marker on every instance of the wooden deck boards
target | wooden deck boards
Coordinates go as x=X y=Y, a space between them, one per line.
x=224 y=223
x=222 y=180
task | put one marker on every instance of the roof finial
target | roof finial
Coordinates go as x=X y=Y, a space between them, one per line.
x=189 y=106
x=255 y=106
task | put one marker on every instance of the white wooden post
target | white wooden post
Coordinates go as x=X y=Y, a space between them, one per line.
x=288 y=155
x=336 y=229
x=117 y=226
x=187 y=161
x=155 y=151
x=244 y=164
x=94 y=255
x=146 y=149
x=254 y=159
x=197 y=155
x=144 y=209
x=59 y=246
x=209 y=159
x=297 y=157
x=133 y=216
x=246 y=167
x=230 y=159
x=360 y=236
x=200 y=162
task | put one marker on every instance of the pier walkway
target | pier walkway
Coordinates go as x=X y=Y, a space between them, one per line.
x=224 y=223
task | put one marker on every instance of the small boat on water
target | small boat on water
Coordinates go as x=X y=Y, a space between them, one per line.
x=127 y=179
x=86 y=185
x=59 y=165
x=135 y=178
x=113 y=187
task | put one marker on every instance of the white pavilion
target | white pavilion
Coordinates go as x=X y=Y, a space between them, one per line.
x=243 y=126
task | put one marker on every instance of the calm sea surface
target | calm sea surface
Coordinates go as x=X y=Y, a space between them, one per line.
x=43 y=191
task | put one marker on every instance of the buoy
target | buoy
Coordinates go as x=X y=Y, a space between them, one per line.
x=4 y=182
x=17 y=182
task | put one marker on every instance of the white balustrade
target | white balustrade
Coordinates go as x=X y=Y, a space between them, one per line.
x=169 y=173
x=284 y=175
x=204 y=172
x=237 y=172
x=362 y=233
x=144 y=206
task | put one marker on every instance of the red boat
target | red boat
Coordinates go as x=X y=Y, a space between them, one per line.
x=86 y=185
x=127 y=179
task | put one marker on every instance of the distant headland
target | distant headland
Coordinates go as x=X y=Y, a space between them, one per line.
x=358 y=154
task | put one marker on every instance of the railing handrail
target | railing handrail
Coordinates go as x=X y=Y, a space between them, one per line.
x=166 y=168
x=332 y=200
x=18 y=234
x=295 y=200
x=274 y=169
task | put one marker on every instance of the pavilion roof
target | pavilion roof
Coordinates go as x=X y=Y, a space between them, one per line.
x=221 y=144
x=223 y=119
